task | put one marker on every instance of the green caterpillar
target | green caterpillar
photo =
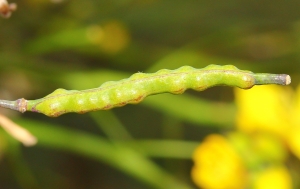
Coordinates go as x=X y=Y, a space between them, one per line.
x=140 y=85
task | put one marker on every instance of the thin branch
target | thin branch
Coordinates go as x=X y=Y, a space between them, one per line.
x=18 y=132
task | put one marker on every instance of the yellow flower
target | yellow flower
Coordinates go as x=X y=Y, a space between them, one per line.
x=112 y=37
x=263 y=108
x=271 y=109
x=273 y=178
x=217 y=165
x=268 y=121
x=293 y=135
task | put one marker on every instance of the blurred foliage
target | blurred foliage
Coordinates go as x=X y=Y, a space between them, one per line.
x=49 y=44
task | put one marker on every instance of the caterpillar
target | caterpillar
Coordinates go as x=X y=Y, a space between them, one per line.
x=140 y=85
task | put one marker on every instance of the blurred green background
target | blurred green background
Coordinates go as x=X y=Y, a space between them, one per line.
x=80 y=44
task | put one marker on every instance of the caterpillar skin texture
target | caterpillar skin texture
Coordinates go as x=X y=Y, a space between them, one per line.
x=140 y=85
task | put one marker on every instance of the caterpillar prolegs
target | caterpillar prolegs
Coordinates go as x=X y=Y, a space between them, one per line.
x=140 y=85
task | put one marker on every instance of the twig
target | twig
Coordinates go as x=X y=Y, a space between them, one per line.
x=18 y=132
